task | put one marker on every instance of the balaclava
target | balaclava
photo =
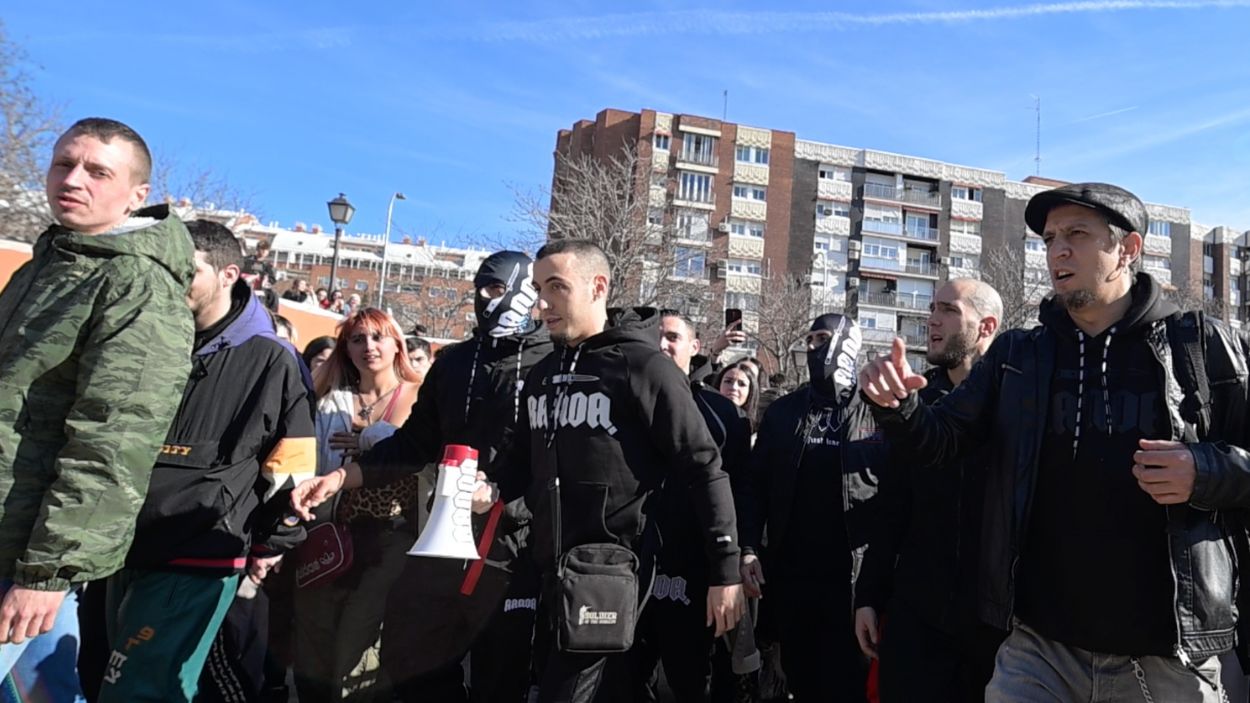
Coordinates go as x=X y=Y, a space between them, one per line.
x=831 y=366
x=508 y=314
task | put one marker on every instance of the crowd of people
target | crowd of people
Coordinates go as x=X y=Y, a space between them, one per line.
x=191 y=509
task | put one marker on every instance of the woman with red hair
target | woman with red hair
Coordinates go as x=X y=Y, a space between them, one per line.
x=365 y=391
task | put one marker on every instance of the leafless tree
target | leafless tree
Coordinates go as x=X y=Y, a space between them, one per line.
x=1004 y=268
x=657 y=258
x=174 y=180
x=785 y=314
x=441 y=313
x=28 y=128
x=1187 y=299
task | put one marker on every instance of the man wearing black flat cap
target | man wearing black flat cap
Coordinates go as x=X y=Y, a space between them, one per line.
x=811 y=484
x=1119 y=477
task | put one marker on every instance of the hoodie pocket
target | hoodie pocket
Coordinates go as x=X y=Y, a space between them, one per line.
x=189 y=499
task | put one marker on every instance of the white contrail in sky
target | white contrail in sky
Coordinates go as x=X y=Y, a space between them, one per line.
x=1104 y=114
x=712 y=22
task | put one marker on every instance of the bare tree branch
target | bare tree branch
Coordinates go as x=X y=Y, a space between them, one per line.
x=28 y=129
x=174 y=180
x=1004 y=268
x=786 y=310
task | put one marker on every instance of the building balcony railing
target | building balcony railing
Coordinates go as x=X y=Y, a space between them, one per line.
x=922 y=268
x=707 y=198
x=879 y=336
x=700 y=158
x=872 y=262
x=925 y=234
x=914 y=196
x=883 y=227
x=908 y=301
x=915 y=337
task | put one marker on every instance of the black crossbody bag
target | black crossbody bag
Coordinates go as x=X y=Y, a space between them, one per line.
x=595 y=596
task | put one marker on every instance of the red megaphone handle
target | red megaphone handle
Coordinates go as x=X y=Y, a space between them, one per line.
x=483 y=548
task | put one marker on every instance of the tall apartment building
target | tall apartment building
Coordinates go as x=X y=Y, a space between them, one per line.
x=873 y=233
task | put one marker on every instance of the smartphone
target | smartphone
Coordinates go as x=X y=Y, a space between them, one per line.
x=732 y=316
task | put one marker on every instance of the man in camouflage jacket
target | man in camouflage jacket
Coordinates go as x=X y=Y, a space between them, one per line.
x=95 y=342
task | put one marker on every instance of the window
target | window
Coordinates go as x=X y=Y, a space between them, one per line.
x=1160 y=228
x=655 y=218
x=1158 y=262
x=692 y=225
x=841 y=209
x=823 y=210
x=965 y=261
x=745 y=192
x=834 y=173
x=967 y=227
x=362 y=285
x=965 y=193
x=699 y=149
x=751 y=155
x=747 y=302
x=695 y=187
x=880 y=250
x=662 y=141
x=745 y=267
x=822 y=244
x=1034 y=244
x=741 y=228
x=690 y=263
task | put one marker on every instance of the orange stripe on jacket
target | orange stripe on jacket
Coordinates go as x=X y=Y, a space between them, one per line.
x=294 y=457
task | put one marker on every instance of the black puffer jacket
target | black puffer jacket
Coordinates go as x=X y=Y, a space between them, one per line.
x=1003 y=403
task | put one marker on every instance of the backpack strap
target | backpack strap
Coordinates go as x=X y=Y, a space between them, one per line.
x=1185 y=335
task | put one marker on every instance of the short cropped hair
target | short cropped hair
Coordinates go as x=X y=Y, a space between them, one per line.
x=107 y=130
x=415 y=343
x=221 y=248
x=591 y=259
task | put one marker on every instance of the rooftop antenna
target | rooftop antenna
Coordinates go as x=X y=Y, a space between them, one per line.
x=724 y=115
x=1037 y=153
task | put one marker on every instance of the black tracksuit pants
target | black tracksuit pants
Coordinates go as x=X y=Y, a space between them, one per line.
x=922 y=662
x=819 y=655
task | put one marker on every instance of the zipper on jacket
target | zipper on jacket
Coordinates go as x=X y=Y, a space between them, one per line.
x=1176 y=597
x=1164 y=369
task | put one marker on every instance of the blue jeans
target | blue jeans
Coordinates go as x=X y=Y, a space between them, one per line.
x=1033 y=669
x=44 y=668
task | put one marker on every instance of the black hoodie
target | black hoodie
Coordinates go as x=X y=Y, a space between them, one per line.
x=615 y=418
x=1090 y=576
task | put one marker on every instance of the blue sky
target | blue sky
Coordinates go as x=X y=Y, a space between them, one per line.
x=455 y=104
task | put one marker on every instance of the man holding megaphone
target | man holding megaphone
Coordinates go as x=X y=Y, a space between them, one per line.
x=438 y=610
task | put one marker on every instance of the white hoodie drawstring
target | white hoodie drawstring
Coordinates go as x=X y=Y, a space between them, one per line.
x=1080 y=386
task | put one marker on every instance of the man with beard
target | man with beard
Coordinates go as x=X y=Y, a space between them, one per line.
x=439 y=611
x=811 y=483
x=1113 y=520
x=921 y=564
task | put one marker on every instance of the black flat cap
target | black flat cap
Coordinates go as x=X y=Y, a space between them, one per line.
x=1121 y=207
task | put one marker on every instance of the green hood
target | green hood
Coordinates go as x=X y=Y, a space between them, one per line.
x=166 y=242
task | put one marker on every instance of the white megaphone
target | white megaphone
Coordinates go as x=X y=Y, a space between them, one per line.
x=449 y=532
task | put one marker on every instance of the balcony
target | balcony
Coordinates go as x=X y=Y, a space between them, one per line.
x=891 y=299
x=924 y=234
x=829 y=189
x=924 y=198
x=897 y=229
x=922 y=268
x=883 y=227
x=872 y=262
x=872 y=335
x=915 y=337
x=698 y=158
x=705 y=200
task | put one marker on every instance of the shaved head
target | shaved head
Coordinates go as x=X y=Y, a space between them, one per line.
x=980 y=295
x=589 y=258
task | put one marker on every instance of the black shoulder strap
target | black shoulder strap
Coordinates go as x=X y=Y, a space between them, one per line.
x=1185 y=335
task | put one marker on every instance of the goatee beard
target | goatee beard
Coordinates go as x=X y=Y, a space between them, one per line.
x=1075 y=300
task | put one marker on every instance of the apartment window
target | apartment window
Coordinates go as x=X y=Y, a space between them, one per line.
x=966 y=193
x=841 y=209
x=745 y=267
x=822 y=244
x=698 y=148
x=1034 y=244
x=1158 y=262
x=751 y=155
x=967 y=227
x=690 y=262
x=882 y=214
x=965 y=261
x=655 y=218
x=662 y=141
x=880 y=250
x=746 y=192
x=692 y=225
x=747 y=302
x=741 y=228
x=823 y=210
x=834 y=173
x=362 y=285
x=1160 y=228
x=695 y=187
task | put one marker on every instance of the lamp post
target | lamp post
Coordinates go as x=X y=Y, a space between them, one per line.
x=390 y=209
x=341 y=212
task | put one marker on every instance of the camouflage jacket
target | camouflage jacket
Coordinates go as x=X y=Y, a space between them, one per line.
x=95 y=348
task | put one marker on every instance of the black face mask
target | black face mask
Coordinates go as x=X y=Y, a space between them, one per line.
x=831 y=367
x=508 y=314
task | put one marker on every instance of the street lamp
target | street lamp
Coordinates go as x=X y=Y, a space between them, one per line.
x=386 y=243
x=341 y=212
